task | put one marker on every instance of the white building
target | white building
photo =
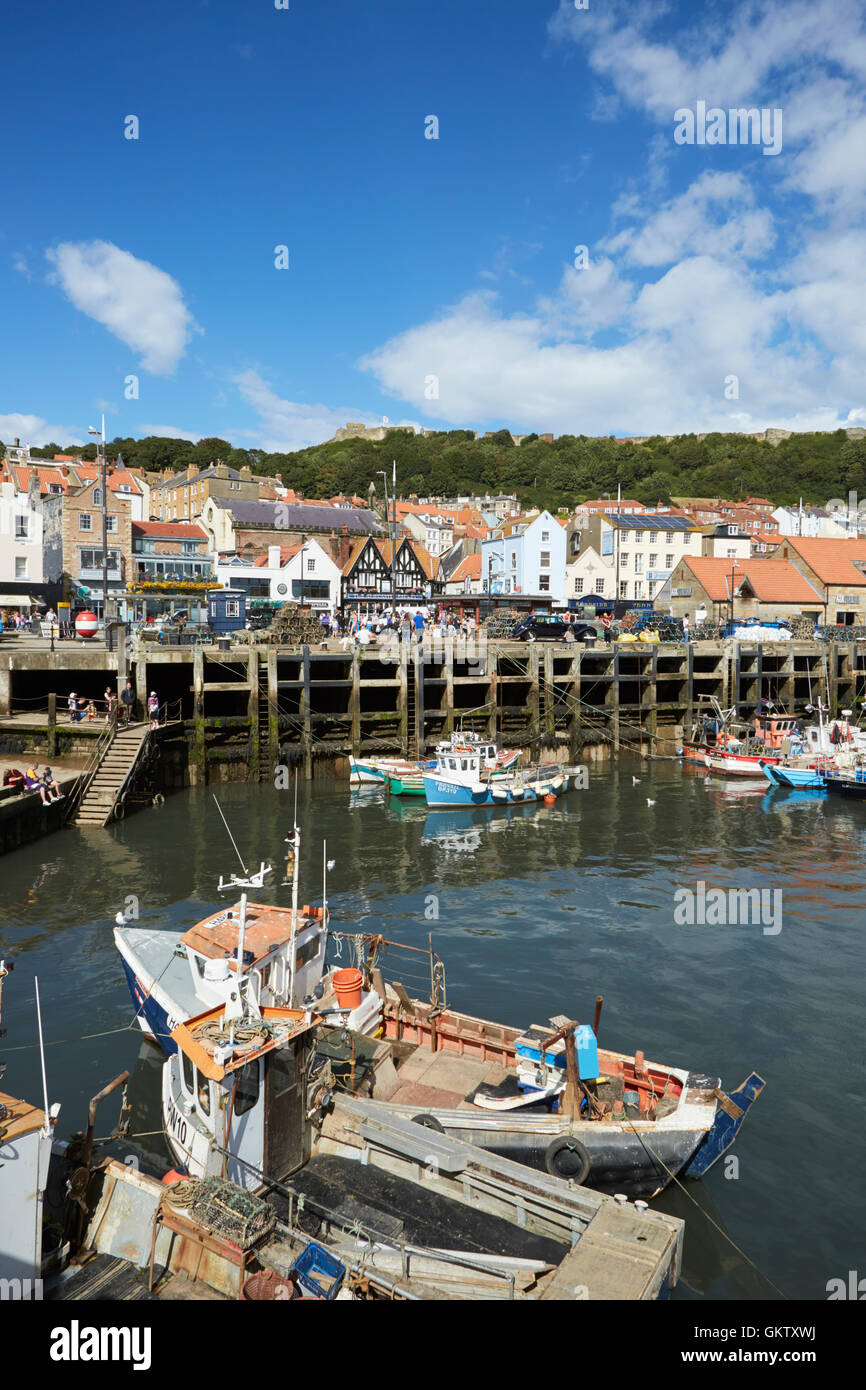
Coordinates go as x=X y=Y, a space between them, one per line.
x=589 y=575
x=817 y=522
x=434 y=531
x=20 y=534
x=286 y=574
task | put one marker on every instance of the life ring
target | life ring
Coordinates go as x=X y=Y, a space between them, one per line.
x=428 y=1122
x=567 y=1158
x=159 y=799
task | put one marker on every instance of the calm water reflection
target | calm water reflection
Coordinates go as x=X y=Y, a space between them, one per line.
x=538 y=910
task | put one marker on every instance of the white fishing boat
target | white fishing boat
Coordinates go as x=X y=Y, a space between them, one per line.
x=173 y=975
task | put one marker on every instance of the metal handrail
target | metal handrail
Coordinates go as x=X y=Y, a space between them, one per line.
x=89 y=771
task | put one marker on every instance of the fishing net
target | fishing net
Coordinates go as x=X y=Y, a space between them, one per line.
x=224 y=1209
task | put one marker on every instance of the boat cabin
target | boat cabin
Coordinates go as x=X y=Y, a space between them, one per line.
x=234 y=1095
x=211 y=950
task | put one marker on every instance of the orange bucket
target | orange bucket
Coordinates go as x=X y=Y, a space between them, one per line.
x=347 y=987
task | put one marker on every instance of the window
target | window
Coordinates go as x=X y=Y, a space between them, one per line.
x=623 y=560
x=246 y=1088
x=653 y=537
x=188 y=1071
x=638 y=590
x=514 y=559
x=623 y=588
x=638 y=564
x=92 y=559
x=284 y=1070
x=578 y=586
x=111 y=523
x=638 y=537
x=20 y=567
x=203 y=1093
x=308 y=951
x=21 y=525
x=669 y=561
x=544 y=583
x=652 y=559
x=544 y=560
x=97 y=497
x=233 y=607
x=599 y=586
x=545 y=537
x=85 y=521
x=311 y=565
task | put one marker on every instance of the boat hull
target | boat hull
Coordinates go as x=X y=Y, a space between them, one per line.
x=442 y=793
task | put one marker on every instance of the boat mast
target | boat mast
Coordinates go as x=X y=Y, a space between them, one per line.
x=295 y=841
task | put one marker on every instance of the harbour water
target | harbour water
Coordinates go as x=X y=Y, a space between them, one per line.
x=535 y=911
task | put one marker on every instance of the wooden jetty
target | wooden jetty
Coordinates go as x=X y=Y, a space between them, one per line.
x=243 y=712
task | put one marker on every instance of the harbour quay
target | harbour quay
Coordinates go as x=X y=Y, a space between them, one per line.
x=239 y=711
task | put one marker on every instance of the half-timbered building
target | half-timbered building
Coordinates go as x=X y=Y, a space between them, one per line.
x=380 y=571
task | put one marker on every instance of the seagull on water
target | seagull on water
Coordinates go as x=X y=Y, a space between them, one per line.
x=649 y=802
x=635 y=781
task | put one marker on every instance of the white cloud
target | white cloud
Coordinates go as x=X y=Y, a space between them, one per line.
x=140 y=304
x=715 y=215
x=289 y=425
x=32 y=429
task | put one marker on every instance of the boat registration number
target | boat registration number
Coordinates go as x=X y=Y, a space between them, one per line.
x=176 y=1123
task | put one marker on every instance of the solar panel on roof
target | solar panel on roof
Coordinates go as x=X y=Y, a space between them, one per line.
x=652 y=522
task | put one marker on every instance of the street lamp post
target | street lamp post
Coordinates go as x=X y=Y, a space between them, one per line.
x=380 y=473
x=101 y=432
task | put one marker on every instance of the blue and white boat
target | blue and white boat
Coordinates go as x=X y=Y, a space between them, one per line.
x=375 y=772
x=781 y=776
x=460 y=779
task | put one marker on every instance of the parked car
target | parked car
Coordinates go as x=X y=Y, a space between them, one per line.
x=552 y=628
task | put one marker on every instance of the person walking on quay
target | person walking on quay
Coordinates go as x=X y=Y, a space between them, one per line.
x=686 y=629
x=153 y=709
x=110 y=698
x=127 y=701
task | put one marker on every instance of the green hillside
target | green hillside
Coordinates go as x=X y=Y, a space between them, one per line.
x=814 y=466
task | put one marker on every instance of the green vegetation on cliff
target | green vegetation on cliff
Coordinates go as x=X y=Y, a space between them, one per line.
x=815 y=467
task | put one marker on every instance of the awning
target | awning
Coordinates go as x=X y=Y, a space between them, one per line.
x=17 y=601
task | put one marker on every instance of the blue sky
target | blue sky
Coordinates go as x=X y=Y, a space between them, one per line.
x=431 y=281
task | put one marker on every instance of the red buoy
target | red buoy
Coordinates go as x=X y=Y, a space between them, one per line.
x=86 y=624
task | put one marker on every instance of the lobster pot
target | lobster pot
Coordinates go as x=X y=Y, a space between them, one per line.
x=226 y=1210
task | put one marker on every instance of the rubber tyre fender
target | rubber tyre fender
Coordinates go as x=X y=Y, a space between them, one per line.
x=567 y=1158
x=119 y=810
x=428 y=1122
x=159 y=799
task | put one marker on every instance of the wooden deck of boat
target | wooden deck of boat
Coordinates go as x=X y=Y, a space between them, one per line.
x=443 y=1078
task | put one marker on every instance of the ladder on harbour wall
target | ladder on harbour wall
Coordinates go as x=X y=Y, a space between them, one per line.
x=411 y=727
x=100 y=796
x=266 y=772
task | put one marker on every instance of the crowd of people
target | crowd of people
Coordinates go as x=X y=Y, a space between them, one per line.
x=408 y=624
x=113 y=711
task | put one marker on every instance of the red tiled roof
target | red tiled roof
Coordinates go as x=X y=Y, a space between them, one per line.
x=772 y=581
x=286 y=554
x=832 y=560
x=469 y=568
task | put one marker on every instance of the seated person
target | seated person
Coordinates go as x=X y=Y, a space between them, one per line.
x=14 y=777
x=33 y=782
x=51 y=784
